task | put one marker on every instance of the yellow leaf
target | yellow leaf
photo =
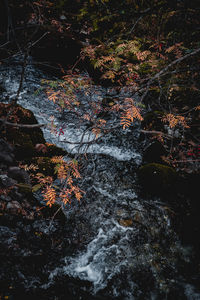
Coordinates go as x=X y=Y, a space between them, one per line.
x=36 y=187
x=126 y=222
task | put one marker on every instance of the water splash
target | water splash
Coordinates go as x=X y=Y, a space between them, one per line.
x=129 y=241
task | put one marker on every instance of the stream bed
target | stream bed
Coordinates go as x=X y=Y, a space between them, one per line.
x=124 y=245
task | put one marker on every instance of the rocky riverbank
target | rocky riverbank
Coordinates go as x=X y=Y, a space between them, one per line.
x=33 y=237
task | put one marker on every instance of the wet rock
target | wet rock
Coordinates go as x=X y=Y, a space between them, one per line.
x=5 y=147
x=189 y=221
x=6 y=153
x=19 y=175
x=3 y=167
x=7 y=236
x=6 y=158
x=5 y=198
x=14 y=207
x=157 y=178
x=6 y=182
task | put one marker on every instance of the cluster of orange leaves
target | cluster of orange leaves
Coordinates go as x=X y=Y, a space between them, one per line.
x=66 y=172
x=130 y=113
x=30 y=167
x=175 y=120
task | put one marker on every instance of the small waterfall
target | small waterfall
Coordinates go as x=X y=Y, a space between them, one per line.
x=129 y=248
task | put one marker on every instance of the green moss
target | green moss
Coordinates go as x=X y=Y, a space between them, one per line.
x=157 y=178
x=25 y=189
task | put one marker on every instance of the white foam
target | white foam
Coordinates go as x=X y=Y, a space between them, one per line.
x=91 y=274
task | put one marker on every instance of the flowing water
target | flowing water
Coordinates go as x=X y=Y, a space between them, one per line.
x=127 y=247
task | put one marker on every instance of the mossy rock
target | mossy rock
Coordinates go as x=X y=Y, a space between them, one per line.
x=24 y=152
x=56 y=47
x=24 y=139
x=26 y=116
x=157 y=178
x=22 y=116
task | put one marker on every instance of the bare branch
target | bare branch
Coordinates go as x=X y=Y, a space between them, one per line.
x=163 y=71
x=22 y=125
x=14 y=101
x=156 y=132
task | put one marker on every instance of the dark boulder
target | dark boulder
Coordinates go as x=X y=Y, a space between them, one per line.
x=157 y=178
x=6 y=153
x=154 y=153
x=24 y=139
x=6 y=182
x=19 y=174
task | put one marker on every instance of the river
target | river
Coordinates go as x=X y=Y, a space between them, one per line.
x=129 y=249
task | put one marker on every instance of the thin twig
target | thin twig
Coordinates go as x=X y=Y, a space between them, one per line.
x=132 y=29
x=156 y=132
x=163 y=71
x=184 y=161
x=57 y=211
x=14 y=101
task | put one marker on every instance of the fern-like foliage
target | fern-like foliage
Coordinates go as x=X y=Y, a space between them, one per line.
x=66 y=172
x=130 y=113
x=31 y=167
x=49 y=195
x=65 y=195
x=57 y=159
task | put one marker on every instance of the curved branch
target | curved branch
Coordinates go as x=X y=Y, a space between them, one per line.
x=22 y=125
